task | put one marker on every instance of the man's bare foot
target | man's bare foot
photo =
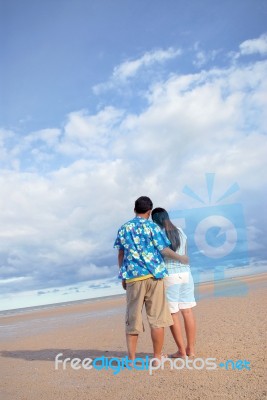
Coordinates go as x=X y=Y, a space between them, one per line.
x=158 y=359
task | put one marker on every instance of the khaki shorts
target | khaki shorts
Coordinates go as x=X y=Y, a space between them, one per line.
x=150 y=292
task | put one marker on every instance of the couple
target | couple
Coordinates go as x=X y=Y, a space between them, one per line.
x=154 y=270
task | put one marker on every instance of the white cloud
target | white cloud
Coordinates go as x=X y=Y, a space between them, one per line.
x=130 y=68
x=86 y=134
x=48 y=137
x=202 y=56
x=254 y=46
x=6 y=136
x=201 y=59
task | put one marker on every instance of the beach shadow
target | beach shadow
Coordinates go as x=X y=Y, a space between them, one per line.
x=50 y=354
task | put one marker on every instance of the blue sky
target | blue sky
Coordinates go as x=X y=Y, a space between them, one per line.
x=54 y=52
x=101 y=102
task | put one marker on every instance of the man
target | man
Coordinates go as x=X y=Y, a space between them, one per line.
x=141 y=245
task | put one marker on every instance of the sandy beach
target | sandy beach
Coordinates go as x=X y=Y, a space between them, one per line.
x=229 y=327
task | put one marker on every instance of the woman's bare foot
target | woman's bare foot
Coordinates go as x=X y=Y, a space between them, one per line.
x=178 y=354
x=190 y=352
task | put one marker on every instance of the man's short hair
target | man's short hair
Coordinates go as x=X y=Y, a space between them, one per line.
x=142 y=205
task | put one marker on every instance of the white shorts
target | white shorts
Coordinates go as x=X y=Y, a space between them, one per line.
x=180 y=290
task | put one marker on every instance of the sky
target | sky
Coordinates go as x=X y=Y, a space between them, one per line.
x=102 y=102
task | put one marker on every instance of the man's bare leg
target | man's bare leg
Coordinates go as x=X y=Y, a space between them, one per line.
x=157 y=336
x=190 y=329
x=176 y=330
x=131 y=340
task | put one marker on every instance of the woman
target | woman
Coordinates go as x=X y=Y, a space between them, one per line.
x=179 y=287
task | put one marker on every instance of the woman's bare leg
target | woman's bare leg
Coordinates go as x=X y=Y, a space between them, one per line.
x=176 y=331
x=190 y=330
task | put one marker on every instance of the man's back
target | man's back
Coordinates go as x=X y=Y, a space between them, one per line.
x=142 y=241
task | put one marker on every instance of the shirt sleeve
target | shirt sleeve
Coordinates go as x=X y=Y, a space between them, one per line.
x=159 y=238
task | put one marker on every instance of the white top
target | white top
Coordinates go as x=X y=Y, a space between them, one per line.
x=170 y=264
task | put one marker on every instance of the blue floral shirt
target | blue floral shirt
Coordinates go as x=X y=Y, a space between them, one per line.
x=142 y=241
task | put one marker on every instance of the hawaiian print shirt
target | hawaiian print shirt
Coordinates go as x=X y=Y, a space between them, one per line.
x=142 y=241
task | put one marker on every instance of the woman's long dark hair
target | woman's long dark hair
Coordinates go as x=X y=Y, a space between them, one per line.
x=161 y=217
